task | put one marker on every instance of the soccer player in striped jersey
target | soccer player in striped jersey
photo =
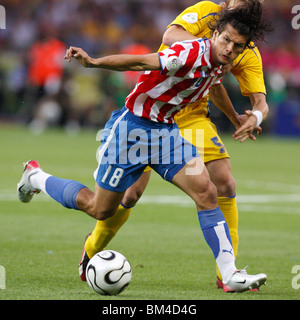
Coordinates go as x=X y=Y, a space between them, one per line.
x=193 y=23
x=247 y=69
x=174 y=77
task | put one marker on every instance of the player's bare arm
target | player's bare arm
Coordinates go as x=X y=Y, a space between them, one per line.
x=220 y=98
x=259 y=103
x=119 y=62
x=176 y=33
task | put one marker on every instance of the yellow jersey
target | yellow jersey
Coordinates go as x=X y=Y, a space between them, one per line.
x=247 y=67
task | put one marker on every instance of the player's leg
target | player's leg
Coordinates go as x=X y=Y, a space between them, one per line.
x=217 y=161
x=105 y=230
x=214 y=228
x=133 y=193
x=195 y=181
x=189 y=174
x=220 y=173
x=112 y=177
x=100 y=204
x=221 y=176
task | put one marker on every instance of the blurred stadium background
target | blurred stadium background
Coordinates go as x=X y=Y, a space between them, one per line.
x=38 y=88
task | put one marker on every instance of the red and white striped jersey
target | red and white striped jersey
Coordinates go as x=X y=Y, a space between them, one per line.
x=187 y=74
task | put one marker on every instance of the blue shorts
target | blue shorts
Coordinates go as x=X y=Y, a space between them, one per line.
x=130 y=144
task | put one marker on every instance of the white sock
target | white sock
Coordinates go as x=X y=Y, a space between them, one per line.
x=38 y=180
x=216 y=234
x=225 y=260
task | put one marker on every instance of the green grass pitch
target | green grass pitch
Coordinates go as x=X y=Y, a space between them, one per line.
x=41 y=242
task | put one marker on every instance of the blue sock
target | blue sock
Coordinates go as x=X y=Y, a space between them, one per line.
x=209 y=219
x=64 y=191
x=216 y=234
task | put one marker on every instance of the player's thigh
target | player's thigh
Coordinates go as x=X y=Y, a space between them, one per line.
x=194 y=180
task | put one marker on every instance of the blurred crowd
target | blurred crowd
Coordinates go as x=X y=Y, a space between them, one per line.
x=39 y=88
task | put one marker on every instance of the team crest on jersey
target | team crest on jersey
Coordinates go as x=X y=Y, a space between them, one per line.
x=173 y=63
x=191 y=17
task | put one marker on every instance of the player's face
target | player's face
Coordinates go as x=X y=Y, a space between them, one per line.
x=227 y=46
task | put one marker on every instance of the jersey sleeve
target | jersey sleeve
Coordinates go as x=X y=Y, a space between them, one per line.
x=249 y=72
x=194 y=19
x=174 y=58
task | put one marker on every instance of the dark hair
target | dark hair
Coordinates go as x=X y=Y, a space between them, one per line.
x=246 y=18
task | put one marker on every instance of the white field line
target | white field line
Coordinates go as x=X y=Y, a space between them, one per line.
x=269 y=209
x=242 y=199
x=246 y=203
x=268 y=198
x=270 y=186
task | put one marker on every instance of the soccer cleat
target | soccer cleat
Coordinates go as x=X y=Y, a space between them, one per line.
x=240 y=281
x=25 y=191
x=220 y=285
x=83 y=262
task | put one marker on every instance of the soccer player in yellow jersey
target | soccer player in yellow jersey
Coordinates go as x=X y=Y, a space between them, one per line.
x=247 y=68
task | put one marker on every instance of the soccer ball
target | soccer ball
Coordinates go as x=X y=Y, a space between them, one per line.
x=108 y=272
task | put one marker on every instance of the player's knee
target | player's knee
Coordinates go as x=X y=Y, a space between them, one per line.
x=103 y=215
x=226 y=186
x=100 y=213
x=131 y=197
x=206 y=196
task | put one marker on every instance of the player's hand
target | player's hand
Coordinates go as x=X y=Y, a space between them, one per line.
x=248 y=123
x=259 y=128
x=226 y=68
x=79 y=55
